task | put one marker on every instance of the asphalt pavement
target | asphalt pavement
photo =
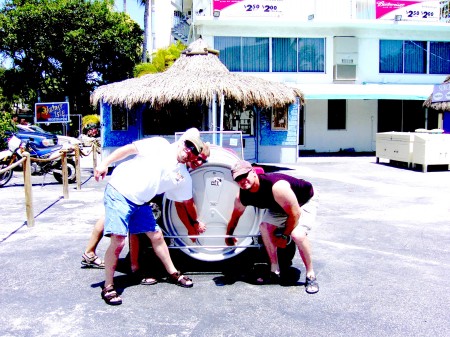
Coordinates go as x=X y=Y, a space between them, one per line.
x=381 y=251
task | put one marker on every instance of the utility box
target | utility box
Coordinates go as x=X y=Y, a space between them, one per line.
x=431 y=149
x=396 y=146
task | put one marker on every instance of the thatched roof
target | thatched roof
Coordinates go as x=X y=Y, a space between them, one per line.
x=196 y=76
x=444 y=106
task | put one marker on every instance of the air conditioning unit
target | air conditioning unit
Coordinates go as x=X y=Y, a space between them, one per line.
x=344 y=72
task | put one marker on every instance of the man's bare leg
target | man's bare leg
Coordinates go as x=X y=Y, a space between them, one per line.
x=96 y=236
x=304 y=247
x=112 y=257
x=161 y=250
x=267 y=230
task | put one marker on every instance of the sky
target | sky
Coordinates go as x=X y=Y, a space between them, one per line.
x=133 y=9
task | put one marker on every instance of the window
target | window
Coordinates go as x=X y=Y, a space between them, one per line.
x=439 y=57
x=172 y=118
x=337 y=114
x=414 y=57
x=311 y=54
x=279 y=120
x=119 y=118
x=284 y=55
x=230 y=51
x=251 y=54
x=236 y=119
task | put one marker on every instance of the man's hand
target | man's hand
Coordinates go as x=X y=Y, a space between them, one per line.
x=281 y=242
x=200 y=227
x=230 y=241
x=280 y=239
x=100 y=171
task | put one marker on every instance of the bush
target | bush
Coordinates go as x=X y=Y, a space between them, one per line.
x=91 y=125
x=6 y=126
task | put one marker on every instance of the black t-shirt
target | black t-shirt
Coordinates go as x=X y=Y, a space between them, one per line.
x=263 y=198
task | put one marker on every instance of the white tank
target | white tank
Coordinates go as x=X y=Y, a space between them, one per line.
x=214 y=191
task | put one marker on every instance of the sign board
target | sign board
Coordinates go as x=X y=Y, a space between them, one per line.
x=441 y=93
x=410 y=10
x=56 y=112
x=256 y=8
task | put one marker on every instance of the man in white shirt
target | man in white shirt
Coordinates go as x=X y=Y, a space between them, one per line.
x=158 y=167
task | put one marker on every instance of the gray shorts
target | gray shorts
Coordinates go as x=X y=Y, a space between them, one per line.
x=307 y=216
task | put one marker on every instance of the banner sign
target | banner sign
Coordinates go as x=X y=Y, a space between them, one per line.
x=57 y=112
x=441 y=93
x=255 y=8
x=410 y=10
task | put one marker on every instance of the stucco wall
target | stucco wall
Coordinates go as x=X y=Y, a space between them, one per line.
x=359 y=133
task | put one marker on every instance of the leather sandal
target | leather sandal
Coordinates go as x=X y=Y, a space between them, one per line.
x=110 y=295
x=92 y=261
x=311 y=285
x=181 y=280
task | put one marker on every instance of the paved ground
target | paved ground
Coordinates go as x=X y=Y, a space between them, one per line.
x=381 y=252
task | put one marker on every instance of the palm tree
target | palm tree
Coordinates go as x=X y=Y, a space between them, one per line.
x=148 y=41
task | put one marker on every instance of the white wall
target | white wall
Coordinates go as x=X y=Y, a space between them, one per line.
x=359 y=134
x=278 y=154
x=162 y=25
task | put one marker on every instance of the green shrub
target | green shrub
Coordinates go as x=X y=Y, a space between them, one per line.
x=6 y=126
x=91 y=125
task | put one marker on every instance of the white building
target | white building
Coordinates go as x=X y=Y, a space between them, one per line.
x=364 y=66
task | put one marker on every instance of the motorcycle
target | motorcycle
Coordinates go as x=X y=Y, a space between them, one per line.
x=7 y=158
x=15 y=149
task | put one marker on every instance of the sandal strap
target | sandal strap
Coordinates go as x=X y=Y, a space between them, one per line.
x=90 y=258
x=178 y=278
x=109 y=292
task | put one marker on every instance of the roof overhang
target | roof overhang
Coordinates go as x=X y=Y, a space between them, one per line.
x=365 y=91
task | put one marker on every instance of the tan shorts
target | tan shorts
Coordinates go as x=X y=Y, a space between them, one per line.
x=307 y=216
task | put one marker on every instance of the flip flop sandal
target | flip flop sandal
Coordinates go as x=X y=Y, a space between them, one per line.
x=92 y=261
x=139 y=277
x=311 y=286
x=181 y=280
x=148 y=281
x=110 y=296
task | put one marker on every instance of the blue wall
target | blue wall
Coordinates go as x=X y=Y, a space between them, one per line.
x=446 y=122
x=118 y=138
x=288 y=138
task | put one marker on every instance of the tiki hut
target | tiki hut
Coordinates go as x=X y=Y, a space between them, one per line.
x=441 y=106
x=197 y=76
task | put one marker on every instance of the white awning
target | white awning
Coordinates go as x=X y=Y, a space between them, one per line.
x=365 y=91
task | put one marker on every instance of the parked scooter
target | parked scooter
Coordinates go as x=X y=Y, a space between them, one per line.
x=16 y=147
x=7 y=158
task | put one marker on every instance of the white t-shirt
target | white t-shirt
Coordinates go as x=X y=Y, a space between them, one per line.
x=154 y=170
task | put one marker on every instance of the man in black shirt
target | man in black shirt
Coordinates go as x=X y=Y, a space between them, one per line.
x=290 y=206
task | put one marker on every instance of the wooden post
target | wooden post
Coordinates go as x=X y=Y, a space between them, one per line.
x=28 y=189
x=94 y=154
x=77 y=166
x=65 y=178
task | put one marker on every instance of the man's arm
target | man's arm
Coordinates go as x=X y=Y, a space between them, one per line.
x=121 y=153
x=190 y=214
x=285 y=197
x=238 y=210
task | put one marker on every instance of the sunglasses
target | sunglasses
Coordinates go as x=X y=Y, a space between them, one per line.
x=241 y=177
x=204 y=161
x=191 y=147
